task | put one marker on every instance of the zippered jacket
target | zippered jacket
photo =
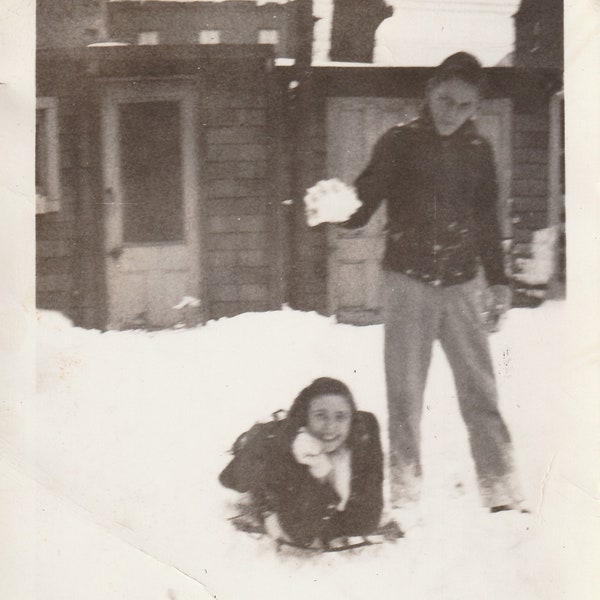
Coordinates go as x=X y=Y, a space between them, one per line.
x=441 y=195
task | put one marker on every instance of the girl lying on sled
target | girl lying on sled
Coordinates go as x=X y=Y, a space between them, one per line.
x=316 y=476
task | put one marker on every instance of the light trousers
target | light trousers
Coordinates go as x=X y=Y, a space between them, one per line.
x=415 y=315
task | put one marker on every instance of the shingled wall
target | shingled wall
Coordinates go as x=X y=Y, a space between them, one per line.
x=530 y=177
x=308 y=290
x=238 y=173
x=69 y=268
x=240 y=226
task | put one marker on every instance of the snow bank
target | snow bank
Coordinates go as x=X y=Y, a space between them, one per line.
x=134 y=427
x=538 y=269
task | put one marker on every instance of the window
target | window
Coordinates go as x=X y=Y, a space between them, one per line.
x=148 y=38
x=151 y=171
x=209 y=36
x=268 y=36
x=46 y=156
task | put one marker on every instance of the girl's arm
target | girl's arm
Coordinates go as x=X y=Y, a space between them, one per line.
x=364 y=507
x=302 y=503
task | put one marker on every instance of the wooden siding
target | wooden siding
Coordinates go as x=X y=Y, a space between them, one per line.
x=63 y=23
x=530 y=177
x=55 y=231
x=237 y=171
x=180 y=23
x=539 y=34
x=238 y=210
x=69 y=268
x=309 y=255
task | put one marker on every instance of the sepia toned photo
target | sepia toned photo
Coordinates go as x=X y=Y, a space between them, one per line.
x=301 y=318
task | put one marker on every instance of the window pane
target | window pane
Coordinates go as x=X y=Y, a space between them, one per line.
x=209 y=36
x=148 y=38
x=268 y=36
x=151 y=171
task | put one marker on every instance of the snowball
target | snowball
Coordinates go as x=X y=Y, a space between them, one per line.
x=330 y=201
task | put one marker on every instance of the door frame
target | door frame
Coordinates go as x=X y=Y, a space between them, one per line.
x=556 y=196
x=117 y=91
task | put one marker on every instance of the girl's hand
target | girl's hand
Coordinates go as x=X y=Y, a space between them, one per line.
x=274 y=529
x=306 y=447
x=308 y=450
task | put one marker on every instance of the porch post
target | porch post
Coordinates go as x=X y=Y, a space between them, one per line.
x=300 y=115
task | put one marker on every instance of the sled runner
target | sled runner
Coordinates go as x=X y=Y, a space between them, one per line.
x=390 y=532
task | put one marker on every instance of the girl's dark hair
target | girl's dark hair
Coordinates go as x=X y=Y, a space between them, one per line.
x=463 y=66
x=298 y=413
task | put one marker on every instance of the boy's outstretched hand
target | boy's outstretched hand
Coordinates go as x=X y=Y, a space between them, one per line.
x=330 y=201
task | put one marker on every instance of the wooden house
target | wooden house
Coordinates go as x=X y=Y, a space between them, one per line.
x=77 y=23
x=539 y=45
x=336 y=271
x=172 y=173
x=156 y=182
x=70 y=23
x=539 y=34
x=204 y=22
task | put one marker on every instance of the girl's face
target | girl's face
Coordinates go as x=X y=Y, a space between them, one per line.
x=451 y=104
x=329 y=420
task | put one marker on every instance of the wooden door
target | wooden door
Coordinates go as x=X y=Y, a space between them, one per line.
x=151 y=221
x=353 y=127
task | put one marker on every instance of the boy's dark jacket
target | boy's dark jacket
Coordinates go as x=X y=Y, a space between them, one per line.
x=306 y=507
x=441 y=195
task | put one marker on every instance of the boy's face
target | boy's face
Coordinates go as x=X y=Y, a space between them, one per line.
x=451 y=104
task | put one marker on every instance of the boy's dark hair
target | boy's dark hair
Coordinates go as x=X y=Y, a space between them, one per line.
x=298 y=413
x=463 y=66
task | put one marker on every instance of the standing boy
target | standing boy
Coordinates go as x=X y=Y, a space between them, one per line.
x=437 y=176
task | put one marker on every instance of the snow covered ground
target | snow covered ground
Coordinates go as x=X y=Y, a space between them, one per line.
x=132 y=429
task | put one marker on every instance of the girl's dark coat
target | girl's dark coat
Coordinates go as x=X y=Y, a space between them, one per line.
x=306 y=507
